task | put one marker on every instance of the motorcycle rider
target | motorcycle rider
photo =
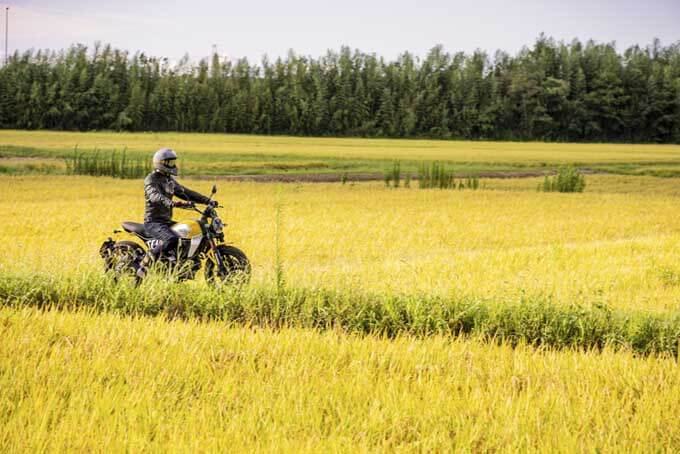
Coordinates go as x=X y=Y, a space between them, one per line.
x=159 y=188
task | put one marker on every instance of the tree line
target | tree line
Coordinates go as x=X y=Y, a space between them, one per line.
x=551 y=91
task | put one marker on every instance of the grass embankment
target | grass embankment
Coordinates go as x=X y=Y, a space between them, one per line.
x=533 y=321
x=223 y=154
x=80 y=382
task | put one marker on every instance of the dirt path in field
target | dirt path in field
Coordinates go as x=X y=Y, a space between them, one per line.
x=336 y=177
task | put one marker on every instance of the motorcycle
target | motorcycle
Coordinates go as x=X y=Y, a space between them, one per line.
x=201 y=245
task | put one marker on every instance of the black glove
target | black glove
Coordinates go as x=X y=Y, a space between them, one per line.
x=182 y=204
x=213 y=203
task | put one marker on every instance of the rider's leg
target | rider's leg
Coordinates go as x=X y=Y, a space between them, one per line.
x=167 y=242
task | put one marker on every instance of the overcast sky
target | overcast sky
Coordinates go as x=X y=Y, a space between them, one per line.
x=386 y=27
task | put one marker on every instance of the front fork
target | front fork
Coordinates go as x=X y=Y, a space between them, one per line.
x=215 y=252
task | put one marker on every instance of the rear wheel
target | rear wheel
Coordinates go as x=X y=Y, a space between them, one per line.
x=123 y=260
x=235 y=267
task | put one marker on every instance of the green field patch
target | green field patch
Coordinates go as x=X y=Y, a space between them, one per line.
x=31 y=165
x=654 y=169
x=254 y=168
x=223 y=154
x=13 y=151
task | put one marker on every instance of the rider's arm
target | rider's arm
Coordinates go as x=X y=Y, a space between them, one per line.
x=187 y=194
x=155 y=195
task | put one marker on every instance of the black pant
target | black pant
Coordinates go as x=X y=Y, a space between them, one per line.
x=168 y=239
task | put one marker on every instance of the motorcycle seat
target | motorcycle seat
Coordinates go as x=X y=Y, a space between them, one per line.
x=136 y=228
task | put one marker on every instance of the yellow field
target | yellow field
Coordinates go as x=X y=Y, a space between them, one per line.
x=75 y=382
x=85 y=382
x=618 y=248
x=455 y=151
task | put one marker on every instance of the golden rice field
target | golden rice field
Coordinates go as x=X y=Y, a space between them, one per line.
x=619 y=248
x=86 y=383
x=101 y=382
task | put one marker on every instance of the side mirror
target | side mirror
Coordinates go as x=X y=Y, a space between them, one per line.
x=214 y=189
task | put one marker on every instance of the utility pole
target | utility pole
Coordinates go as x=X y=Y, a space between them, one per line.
x=6 y=33
x=3 y=58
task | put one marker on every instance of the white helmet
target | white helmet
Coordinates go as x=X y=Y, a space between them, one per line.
x=164 y=161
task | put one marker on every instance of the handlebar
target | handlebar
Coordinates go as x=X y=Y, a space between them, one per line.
x=192 y=206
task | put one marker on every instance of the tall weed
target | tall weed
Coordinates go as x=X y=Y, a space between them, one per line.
x=113 y=164
x=568 y=179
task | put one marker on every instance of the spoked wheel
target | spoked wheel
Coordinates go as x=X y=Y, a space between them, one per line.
x=123 y=260
x=235 y=267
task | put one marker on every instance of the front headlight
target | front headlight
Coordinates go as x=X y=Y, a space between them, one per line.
x=217 y=225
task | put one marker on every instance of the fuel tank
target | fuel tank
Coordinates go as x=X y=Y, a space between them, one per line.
x=187 y=229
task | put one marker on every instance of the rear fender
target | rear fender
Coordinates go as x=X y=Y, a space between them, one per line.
x=107 y=246
x=122 y=235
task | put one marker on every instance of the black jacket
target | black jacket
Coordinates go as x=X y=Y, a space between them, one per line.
x=158 y=191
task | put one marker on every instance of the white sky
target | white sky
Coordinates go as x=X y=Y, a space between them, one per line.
x=385 y=27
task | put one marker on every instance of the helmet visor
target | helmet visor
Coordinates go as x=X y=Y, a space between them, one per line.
x=169 y=163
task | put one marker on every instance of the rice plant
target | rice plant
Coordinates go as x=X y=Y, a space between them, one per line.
x=93 y=382
x=278 y=247
x=484 y=243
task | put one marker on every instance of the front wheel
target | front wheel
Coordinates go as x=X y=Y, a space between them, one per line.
x=235 y=267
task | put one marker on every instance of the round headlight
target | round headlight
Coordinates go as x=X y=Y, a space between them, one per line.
x=217 y=225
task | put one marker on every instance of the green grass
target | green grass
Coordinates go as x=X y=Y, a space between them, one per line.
x=534 y=321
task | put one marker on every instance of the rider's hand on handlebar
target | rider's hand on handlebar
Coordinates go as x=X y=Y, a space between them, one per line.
x=213 y=203
x=182 y=204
